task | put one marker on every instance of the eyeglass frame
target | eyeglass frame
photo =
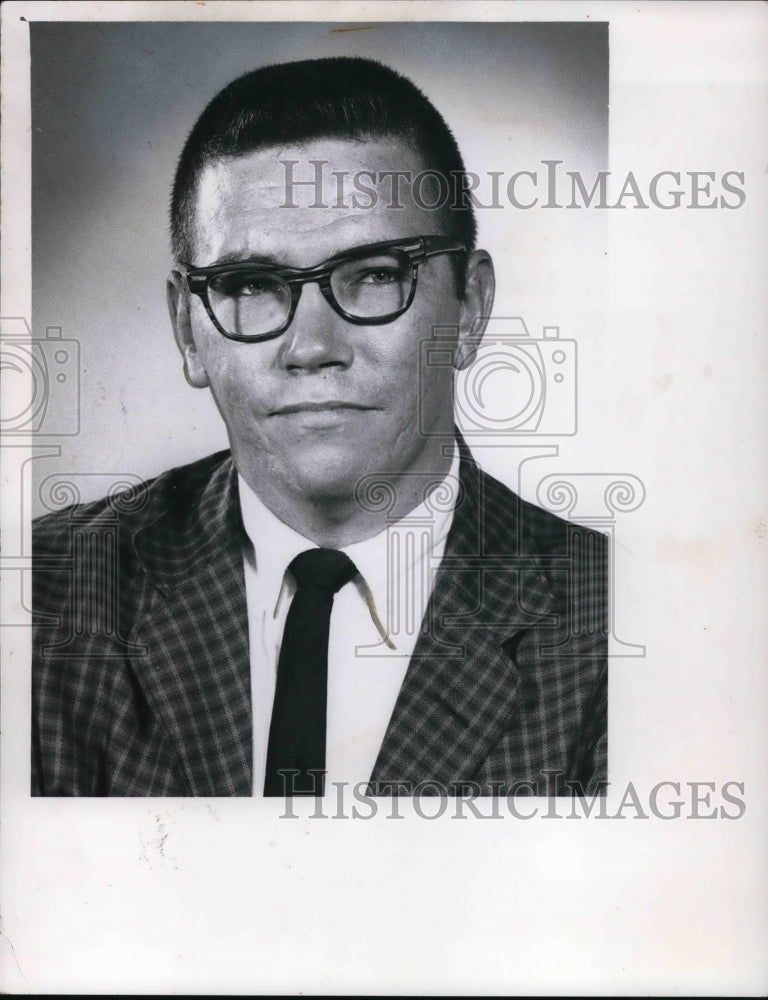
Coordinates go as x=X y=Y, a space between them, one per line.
x=417 y=248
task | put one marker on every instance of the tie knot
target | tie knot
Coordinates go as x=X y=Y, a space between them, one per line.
x=326 y=569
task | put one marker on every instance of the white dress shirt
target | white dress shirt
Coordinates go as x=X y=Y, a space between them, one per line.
x=374 y=623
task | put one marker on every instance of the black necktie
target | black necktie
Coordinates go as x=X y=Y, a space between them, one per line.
x=297 y=732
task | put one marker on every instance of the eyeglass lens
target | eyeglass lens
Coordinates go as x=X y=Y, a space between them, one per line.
x=250 y=303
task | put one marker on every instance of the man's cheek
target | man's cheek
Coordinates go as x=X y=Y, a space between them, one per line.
x=235 y=398
x=228 y=372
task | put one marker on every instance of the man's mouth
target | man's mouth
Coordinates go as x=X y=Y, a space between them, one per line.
x=323 y=406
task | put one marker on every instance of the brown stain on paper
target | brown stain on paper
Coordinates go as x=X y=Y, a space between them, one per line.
x=364 y=27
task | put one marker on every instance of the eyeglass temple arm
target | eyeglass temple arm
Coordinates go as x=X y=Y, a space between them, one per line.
x=431 y=246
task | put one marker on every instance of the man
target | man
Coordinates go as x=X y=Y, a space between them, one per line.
x=345 y=596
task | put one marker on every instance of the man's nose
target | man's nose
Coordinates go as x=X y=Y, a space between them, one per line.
x=317 y=337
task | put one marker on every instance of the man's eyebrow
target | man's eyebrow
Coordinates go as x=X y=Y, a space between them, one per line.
x=236 y=257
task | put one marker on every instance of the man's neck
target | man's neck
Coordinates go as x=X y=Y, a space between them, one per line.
x=336 y=521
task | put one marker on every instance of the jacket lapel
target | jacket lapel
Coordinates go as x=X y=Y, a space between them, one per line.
x=196 y=674
x=461 y=685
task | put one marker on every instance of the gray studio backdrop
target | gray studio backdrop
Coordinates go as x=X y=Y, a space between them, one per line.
x=111 y=106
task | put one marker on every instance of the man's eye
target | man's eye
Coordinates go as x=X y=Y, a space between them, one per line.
x=254 y=287
x=379 y=276
x=244 y=285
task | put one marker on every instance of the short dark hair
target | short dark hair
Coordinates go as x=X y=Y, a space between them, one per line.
x=294 y=102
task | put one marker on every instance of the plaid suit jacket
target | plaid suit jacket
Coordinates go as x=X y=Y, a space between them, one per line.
x=141 y=675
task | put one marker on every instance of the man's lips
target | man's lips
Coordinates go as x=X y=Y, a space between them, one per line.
x=319 y=407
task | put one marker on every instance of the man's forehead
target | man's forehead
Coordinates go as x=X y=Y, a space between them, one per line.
x=294 y=173
x=359 y=188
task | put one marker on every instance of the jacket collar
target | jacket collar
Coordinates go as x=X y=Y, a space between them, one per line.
x=194 y=521
x=196 y=674
x=461 y=685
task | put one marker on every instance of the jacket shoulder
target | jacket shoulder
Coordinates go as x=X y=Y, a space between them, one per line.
x=133 y=509
x=540 y=530
x=75 y=549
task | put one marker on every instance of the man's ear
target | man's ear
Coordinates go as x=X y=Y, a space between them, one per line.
x=178 y=307
x=475 y=306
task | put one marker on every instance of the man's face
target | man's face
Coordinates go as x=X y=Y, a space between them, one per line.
x=327 y=402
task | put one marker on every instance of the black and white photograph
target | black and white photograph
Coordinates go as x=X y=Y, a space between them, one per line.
x=383 y=441
x=176 y=649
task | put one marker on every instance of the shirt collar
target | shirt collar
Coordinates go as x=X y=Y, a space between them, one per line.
x=274 y=544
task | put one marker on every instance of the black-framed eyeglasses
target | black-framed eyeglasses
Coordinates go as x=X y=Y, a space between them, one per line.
x=367 y=285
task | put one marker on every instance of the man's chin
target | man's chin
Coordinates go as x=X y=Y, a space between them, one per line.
x=325 y=467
